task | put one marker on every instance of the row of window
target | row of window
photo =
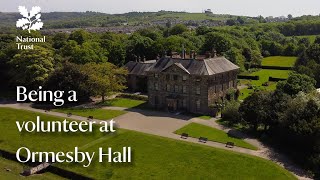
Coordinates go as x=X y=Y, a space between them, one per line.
x=198 y=104
x=222 y=87
x=184 y=103
x=185 y=77
x=175 y=77
x=217 y=88
x=176 y=88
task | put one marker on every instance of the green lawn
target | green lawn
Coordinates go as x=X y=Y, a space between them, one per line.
x=153 y=157
x=15 y=170
x=281 y=61
x=102 y=114
x=123 y=102
x=205 y=117
x=11 y=139
x=244 y=93
x=312 y=38
x=264 y=75
x=198 y=130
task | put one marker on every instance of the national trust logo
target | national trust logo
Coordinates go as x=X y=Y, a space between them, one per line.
x=30 y=21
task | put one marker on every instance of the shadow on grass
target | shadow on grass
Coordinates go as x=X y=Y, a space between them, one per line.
x=238 y=130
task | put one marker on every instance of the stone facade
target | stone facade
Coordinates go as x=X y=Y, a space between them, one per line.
x=190 y=85
x=174 y=90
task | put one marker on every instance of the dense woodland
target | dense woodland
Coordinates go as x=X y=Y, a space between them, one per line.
x=91 y=64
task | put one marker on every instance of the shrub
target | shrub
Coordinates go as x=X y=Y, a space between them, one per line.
x=133 y=96
x=231 y=112
x=231 y=94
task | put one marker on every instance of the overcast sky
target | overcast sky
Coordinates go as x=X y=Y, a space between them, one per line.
x=235 y=7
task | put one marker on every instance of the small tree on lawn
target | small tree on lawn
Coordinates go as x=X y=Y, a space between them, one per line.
x=105 y=78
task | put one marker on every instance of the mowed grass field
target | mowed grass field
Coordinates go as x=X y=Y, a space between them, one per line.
x=153 y=157
x=11 y=139
x=264 y=74
x=102 y=114
x=198 y=130
x=123 y=102
x=280 y=61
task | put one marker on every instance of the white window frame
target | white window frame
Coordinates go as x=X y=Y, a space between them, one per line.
x=168 y=87
x=198 y=104
x=184 y=77
x=184 y=89
x=198 y=90
x=176 y=88
x=156 y=86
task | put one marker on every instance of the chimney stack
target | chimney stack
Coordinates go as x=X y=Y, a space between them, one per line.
x=136 y=58
x=214 y=53
x=193 y=54
x=183 y=55
x=208 y=54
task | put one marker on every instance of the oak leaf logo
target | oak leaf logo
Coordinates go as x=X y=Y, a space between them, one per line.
x=30 y=21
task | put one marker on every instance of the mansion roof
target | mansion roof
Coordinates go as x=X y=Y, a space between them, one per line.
x=210 y=66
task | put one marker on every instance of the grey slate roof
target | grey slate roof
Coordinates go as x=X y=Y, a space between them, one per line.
x=138 y=68
x=180 y=66
x=208 y=66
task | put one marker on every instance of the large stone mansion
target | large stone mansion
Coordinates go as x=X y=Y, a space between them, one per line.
x=183 y=84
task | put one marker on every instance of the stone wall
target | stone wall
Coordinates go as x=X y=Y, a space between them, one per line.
x=220 y=84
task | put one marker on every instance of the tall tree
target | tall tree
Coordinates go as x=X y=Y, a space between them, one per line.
x=296 y=83
x=59 y=40
x=31 y=68
x=105 y=78
x=218 y=41
x=69 y=77
x=80 y=36
x=255 y=109
x=178 y=29
x=140 y=47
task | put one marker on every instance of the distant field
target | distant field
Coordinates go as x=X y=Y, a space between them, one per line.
x=198 y=130
x=192 y=16
x=312 y=38
x=153 y=157
x=281 y=61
